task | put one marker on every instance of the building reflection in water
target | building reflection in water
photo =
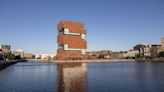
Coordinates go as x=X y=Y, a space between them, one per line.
x=71 y=77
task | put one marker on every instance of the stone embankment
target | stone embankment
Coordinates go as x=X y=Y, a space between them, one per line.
x=151 y=60
x=4 y=64
x=97 y=60
x=82 y=61
x=85 y=61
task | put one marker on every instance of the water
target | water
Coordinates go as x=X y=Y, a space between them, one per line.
x=82 y=77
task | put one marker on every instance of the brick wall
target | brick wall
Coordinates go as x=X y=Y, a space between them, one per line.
x=73 y=41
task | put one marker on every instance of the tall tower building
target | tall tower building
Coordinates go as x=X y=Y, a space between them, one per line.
x=71 y=40
x=162 y=42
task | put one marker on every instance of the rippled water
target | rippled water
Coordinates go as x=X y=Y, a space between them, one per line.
x=83 y=77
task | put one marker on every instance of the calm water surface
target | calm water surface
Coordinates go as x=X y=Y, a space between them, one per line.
x=82 y=77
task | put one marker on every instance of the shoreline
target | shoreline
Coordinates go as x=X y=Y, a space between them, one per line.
x=97 y=60
x=3 y=64
x=84 y=61
x=93 y=61
x=6 y=64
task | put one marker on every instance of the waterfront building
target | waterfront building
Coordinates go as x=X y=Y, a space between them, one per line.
x=161 y=52
x=155 y=50
x=104 y=52
x=107 y=56
x=7 y=51
x=140 y=47
x=47 y=56
x=37 y=56
x=117 y=55
x=6 y=48
x=99 y=54
x=19 y=53
x=2 y=55
x=162 y=42
x=152 y=51
x=124 y=54
x=71 y=40
x=92 y=53
x=161 y=49
x=132 y=53
x=147 y=53
x=29 y=56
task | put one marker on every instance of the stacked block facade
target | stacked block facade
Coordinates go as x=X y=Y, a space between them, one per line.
x=71 y=41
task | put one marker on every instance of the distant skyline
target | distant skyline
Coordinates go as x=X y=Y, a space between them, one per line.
x=115 y=25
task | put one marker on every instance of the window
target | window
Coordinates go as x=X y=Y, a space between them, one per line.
x=65 y=46
x=83 y=51
x=83 y=36
x=66 y=30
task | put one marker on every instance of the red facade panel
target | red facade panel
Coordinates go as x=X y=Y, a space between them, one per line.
x=72 y=41
x=75 y=27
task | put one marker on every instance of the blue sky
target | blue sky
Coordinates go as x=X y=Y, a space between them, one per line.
x=112 y=24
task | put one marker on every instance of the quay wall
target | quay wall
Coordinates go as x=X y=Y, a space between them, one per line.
x=8 y=63
x=85 y=61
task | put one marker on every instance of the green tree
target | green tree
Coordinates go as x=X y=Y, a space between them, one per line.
x=9 y=56
x=139 y=55
x=161 y=54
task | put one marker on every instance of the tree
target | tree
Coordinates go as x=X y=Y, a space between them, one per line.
x=161 y=54
x=101 y=56
x=139 y=55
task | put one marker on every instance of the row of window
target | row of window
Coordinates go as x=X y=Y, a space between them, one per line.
x=65 y=47
x=66 y=31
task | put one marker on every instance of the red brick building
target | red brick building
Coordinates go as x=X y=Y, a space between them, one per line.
x=71 y=41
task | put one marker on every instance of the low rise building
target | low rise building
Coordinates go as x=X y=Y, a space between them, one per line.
x=147 y=53
x=44 y=56
x=117 y=55
x=7 y=51
x=37 y=56
x=2 y=55
x=162 y=42
x=6 y=48
x=124 y=54
x=99 y=54
x=150 y=51
x=161 y=52
x=92 y=53
x=107 y=56
x=140 y=48
x=132 y=53
x=19 y=53
x=29 y=56
x=161 y=49
x=47 y=56
x=155 y=50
